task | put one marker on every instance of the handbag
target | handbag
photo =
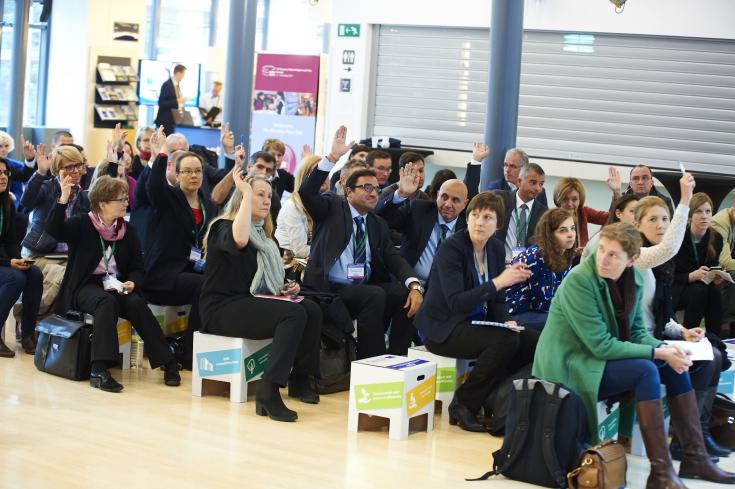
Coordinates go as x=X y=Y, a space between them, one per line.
x=64 y=347
x=601 y=467
x=722 y=421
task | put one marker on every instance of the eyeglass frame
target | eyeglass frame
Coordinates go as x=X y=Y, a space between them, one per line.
x=364 y=187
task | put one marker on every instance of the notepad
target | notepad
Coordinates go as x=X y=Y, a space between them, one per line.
x=700 y=350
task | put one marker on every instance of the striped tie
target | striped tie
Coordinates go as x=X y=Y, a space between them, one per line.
x=444 y=231
x=359 y=254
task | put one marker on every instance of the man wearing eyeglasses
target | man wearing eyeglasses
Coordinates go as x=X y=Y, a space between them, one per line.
x=641 y=184
x=352 y=253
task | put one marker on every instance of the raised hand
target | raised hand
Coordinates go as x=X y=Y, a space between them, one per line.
x=240 y=157
x=159 y=144
x=111 y=153
x=28 y=152
x=66 y=186
x=686 y=186
x=118 y=136
x=244 y=187
x=43 y=160
x=306 y=151
x=613 y=180
x=227 y=138
x=409 y=181
x=480 y=151
x=514 y=274
x=339 y=146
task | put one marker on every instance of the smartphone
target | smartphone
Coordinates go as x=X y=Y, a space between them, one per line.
x=28 y=261
x=715 y=268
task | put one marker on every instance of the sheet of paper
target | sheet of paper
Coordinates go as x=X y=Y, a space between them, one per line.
x=707 y=279
x=701 y=350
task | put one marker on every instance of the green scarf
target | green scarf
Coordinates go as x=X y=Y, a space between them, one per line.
x=269 y=276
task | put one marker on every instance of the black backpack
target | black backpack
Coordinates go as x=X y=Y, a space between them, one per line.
x=545 y=434
x=496 y=404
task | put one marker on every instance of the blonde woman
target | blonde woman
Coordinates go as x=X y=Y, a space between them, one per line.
x=243 y=262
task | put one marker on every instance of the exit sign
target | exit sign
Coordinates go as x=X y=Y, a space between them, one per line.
x=348 y=30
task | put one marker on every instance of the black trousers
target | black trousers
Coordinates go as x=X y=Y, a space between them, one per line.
x=700 y=300
x=373 y=306
x=106 y=307
x=187 y=287
x=294 y=327
x=499 y=353
x=706 y=374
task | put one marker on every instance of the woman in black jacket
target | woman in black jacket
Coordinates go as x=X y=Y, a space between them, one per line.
x=104 y=277
x=243 y=260
x=17 y=275
x=467 y=283
x=173 y=247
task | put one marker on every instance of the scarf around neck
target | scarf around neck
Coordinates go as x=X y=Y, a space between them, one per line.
x=116 y=232
x=269 y=275
x=622 y=293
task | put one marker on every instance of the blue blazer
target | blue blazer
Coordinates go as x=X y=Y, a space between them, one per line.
x=454 y=290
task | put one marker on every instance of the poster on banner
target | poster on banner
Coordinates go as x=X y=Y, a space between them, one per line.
x=284 y=103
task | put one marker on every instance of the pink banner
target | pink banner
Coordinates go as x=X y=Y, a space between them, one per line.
x=287 y=73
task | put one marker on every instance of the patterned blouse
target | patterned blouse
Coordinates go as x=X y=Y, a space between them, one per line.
x=536 y=293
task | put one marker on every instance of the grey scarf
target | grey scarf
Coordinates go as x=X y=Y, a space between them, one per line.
x=270 y=274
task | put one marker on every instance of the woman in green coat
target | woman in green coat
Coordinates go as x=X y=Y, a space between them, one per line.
x=595 y=343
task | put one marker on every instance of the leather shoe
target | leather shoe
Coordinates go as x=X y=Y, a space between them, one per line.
x=5 y=352
x=714 y=449
x=466 y=419
x=171 y=375
x=103 y=380
x=677 y=452
x=303 y=387
x=268 y=402
x=28 y=343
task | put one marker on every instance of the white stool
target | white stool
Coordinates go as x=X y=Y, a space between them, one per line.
x=236 y=361
x=450 y=374
x=124 y=337
x=173 y=319
x=395 y=388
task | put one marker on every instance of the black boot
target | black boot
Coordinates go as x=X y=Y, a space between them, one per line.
x=464 y=417
x=303 y=387
x=677 y=453
x=705 y=400
x=268 y=402
x=171 y=376
x=5 y=352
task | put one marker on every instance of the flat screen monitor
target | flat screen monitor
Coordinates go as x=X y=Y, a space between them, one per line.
x=153 y=73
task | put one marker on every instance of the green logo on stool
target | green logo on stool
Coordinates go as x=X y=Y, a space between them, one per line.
x=256 y=363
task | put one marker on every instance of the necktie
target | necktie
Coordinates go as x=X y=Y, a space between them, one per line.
x=522 y=226
x=359 y=245
x=444 y=229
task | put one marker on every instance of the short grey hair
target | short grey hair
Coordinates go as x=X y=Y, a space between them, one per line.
x=6 y=138
x=177 y=138
x=142 y=131
x=531 y=167
x=519 y=152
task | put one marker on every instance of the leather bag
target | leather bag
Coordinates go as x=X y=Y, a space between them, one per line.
x=601 y=467
x=722 y=422
x=64 y=348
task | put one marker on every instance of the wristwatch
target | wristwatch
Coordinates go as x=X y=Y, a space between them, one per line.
x=417 y=287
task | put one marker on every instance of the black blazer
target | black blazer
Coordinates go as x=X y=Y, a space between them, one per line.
x=454 y=289
x=472 y=180
x=166 y=102
x=85 y=253
x=415 y=220
x=684 y=261
x=284 y=182
x=170 y=235
x=142 y=213
x=509 y=199
x=9 y=248
x=332 y=233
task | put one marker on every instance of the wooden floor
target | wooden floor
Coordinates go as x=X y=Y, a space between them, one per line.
x=60 y=434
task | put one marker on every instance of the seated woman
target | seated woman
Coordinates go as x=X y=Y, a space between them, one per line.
x=661 y=242
x=595 y=343
x=104 y=278
x=173 y=246
x=17 y=275
x=467 y=282
x=242 y=261
x=724 y=223
x=283 y=181
x=294 y=228
x=569 y=194
x=699 y=251
x=622 y=211
x=549 y=260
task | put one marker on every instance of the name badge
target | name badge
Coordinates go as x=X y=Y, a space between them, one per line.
x=356 y=271
x=111 y=284
x=195 y=255
x=199 y=265
x=517 y=250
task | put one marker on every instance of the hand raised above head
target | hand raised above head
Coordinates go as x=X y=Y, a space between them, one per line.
x=339 y=145
x=480 y=151
x=614 y=182
x=686 y=187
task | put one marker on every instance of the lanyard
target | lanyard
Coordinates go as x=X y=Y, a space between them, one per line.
x=198 y=230
x=520 y=231
x=694 y=248
x=105 y=258
x=482 y=277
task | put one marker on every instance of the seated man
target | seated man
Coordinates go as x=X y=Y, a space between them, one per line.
x=345 y=173
x=352 y=255
x=641 y=184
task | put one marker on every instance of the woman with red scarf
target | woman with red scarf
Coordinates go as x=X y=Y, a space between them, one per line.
x=104 y=278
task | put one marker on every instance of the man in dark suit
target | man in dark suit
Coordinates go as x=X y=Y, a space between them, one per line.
x=515 y=158
x=522 y=211
x=352 y=254
x=423 y=226
x=170 y=98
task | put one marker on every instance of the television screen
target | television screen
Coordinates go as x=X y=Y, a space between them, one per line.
x=153 y=73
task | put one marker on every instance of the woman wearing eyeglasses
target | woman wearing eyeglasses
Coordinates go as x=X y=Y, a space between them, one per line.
x=104 y=277
x=173 y=247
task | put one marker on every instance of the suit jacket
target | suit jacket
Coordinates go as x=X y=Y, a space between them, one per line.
x=332 y=232
x=414 y=220
x=284 y=182
x=170 y=235
x=386 y=197
x=85 y=253
x=509 y=199
x=166 y=102
x=472 y=180
x=454 y=290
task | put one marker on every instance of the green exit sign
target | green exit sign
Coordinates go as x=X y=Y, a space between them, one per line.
x=348 y=30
